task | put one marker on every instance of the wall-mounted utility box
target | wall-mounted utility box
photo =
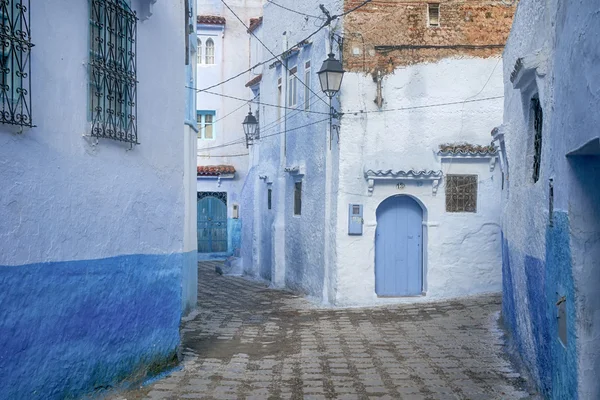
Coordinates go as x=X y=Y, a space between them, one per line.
x=355 y=219
x=236 y=211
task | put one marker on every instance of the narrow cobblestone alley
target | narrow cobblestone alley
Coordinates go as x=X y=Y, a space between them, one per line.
x=251 y=342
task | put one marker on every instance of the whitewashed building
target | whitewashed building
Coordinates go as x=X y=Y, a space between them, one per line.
x=223 y=51
x=401 y=201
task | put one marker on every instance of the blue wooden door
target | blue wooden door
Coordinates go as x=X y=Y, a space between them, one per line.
x=399 y=248
x=212 y=222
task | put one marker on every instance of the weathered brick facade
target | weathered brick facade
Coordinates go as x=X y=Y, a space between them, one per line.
x=386 y=34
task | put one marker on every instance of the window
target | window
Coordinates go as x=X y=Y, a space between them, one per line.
x=307 y=86
x=538 y=119
x=15 y=69
x=113 y=83
x=205 y=123
x=199 y=53
x=461 y=193
x=209 y=57
x=279 y=102
x=298 y=198
x=434 y=14
x=292 y=87
x=269 y=198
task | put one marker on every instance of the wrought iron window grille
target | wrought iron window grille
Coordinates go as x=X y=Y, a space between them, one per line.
x=15 y=63
x=538 y=119
x=217 y=195
x=461 y=193
x=112 y=69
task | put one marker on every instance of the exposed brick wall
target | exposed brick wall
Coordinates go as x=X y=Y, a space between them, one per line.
x=480 y=23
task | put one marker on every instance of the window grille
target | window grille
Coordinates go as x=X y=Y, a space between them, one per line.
x=434 y=14
x=298 y=198
x=461 y=193
x=538 y=120
x=209 y=52
x=15 y=65
x=113 y=83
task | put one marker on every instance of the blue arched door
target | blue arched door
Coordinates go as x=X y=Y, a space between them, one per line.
x=212 y=222
x=399 y=247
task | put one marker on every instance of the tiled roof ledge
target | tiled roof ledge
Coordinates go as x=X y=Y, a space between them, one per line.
x=527 y=67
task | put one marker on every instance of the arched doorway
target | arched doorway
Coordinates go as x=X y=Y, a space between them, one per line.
x=212 y=222
x=399 y=247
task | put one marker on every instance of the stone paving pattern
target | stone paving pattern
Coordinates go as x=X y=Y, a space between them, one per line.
x=251 y=342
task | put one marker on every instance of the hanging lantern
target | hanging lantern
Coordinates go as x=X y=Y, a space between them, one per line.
x=331 y=75
x=250 y=125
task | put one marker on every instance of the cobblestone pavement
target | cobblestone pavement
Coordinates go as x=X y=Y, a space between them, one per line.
x=250 y=342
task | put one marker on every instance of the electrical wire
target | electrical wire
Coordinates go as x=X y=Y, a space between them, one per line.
x=257 y=102
x=423 y=106
x=273 y=54
x=294 y=11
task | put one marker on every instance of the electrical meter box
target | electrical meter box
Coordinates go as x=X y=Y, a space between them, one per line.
x=355 y=219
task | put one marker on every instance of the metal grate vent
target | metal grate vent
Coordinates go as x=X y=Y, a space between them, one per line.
x=538 y=119
x=461 y=193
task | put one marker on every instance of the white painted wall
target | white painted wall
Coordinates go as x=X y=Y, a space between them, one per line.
x=232 y=56
x=463 y=250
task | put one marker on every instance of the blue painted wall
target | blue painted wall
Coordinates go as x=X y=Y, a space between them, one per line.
x=530 y=313
x=544 y=261
x=68 y=328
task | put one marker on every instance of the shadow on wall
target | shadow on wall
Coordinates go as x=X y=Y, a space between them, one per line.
x=584 y=210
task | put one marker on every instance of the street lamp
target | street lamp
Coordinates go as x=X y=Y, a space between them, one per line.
x=250 y=125
x=331 y=75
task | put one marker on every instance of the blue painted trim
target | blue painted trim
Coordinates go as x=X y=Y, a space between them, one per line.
x=76 y=327
x=206 y=112
x=191 y=124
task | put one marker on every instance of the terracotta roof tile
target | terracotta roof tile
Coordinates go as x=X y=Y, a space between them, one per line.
x=215 y=170
x=467 y=149
x=254 y=23
x=210 y=20
x=254 y=81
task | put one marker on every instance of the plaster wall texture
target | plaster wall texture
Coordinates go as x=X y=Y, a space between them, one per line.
x=91 y=237
x=296 y=244
x=537 y=271
x=462 y=251
x=189 y=296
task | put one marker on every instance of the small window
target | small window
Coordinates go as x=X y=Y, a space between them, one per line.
x=461 y=193
x=269 y=198
x=434 y=14
x=307 y=86
x=292 y=88
x=15 y=65
x=538 y=119
x=199 y=51
x=298 y=198
x=355 y=209
x=209 y=52
x=112 y=71
x=205 y=123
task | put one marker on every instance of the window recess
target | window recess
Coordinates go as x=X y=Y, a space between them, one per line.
x=15 y=63
x=112 y=71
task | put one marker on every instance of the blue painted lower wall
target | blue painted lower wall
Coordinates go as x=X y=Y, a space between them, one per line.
x=70 y=328
x=189 y=282
x=531 y=288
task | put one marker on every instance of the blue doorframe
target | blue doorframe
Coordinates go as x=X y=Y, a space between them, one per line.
x=212 y=222
x=399 y=248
